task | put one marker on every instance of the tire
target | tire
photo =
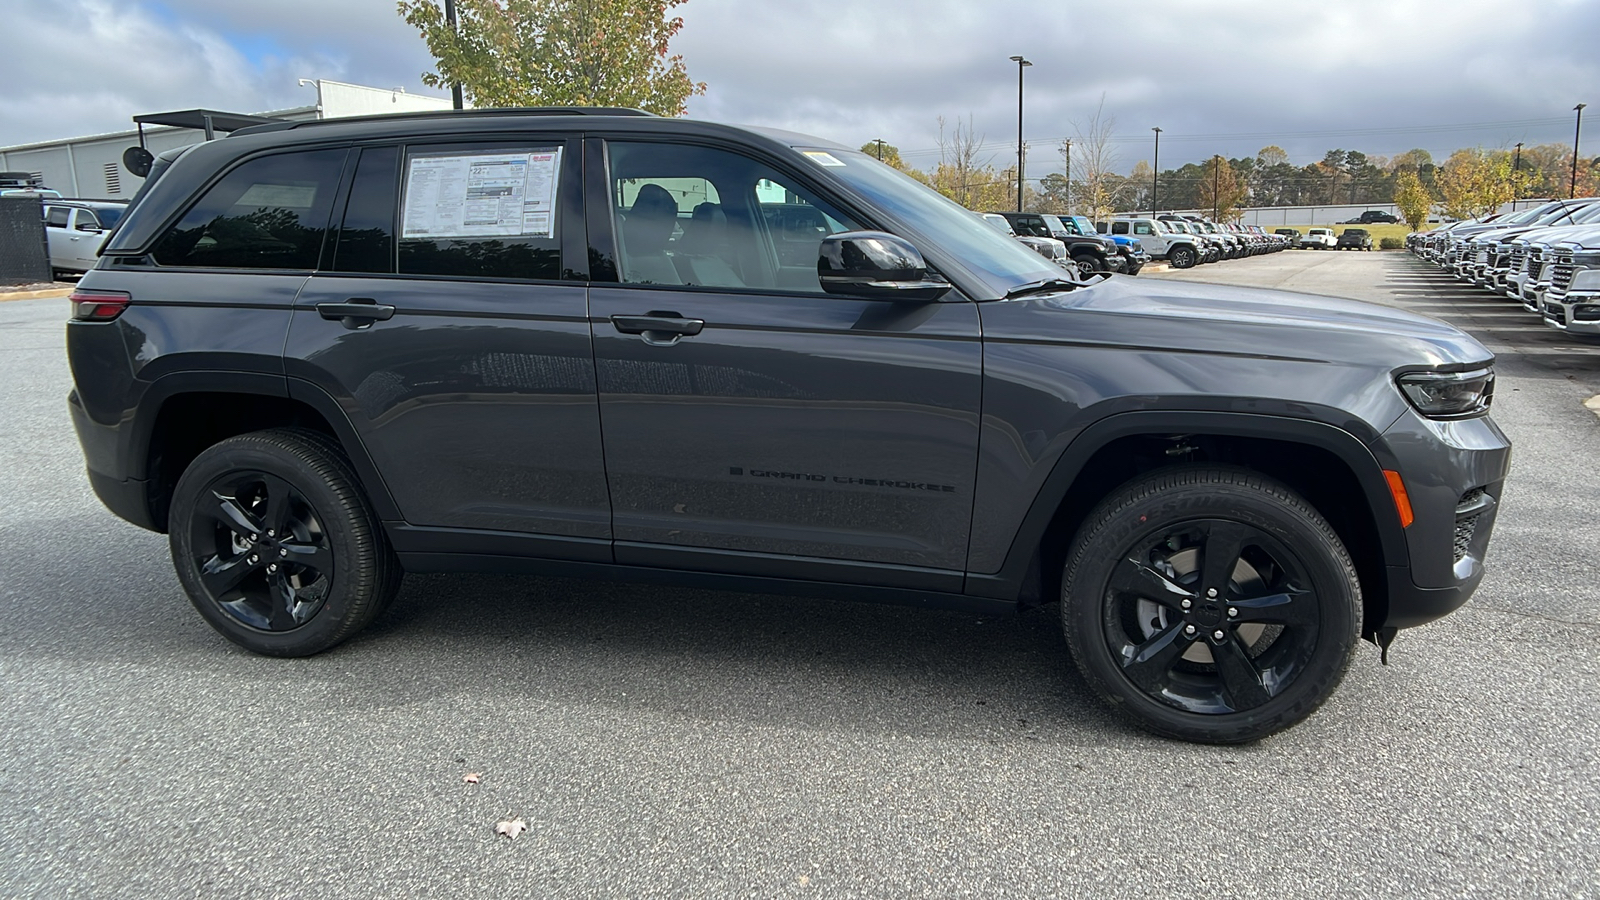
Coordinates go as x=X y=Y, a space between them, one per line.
x=1183 y=257
x=1140 y=556
x=1086 y=266
x=276 y=544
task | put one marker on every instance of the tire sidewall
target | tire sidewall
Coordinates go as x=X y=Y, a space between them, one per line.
x=1316 y=549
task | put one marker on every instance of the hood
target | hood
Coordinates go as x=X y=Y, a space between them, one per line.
x=1234 y=321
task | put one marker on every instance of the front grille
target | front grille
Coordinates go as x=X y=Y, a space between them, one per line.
x=1516 y=260
x=1561 y=276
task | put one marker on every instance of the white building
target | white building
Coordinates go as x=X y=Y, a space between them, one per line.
x=91 y=167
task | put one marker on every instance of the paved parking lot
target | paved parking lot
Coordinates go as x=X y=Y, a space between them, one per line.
x=664 y=742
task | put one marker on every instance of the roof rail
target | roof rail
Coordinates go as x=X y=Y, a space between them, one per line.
x=496 y=112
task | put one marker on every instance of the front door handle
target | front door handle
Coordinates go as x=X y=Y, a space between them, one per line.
x=357 y=312
x=660 y=328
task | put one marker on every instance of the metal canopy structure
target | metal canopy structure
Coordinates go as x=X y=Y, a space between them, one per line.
x=210 y=121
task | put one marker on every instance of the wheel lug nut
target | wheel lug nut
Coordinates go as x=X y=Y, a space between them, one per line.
x=1233 y=614
x=254 y=558
x=253 y=537
x=282 y=553
x=1187 y=603
x=1211 y=592
x=271 y=533
x=1218 y=634
x=1188 y=629
x=273 y=567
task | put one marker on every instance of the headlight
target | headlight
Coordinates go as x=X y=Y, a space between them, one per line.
x=1449 y=395
x=1585 y=280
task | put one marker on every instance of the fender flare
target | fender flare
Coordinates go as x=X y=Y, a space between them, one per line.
x=174 y=384
x=1366 y=459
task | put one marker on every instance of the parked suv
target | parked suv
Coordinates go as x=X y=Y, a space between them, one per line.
x=1373 y=217
x=1090 y=252
x=321 y=354
x=1353 y=239
x=1176 y=247
x=75 y=229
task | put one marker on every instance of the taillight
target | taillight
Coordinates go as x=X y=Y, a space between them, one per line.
x=98 y=306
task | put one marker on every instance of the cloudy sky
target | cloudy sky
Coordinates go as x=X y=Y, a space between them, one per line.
x=1381 y=76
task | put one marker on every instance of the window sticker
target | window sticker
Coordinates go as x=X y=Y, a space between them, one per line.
x=482 y=195
x=822 y=158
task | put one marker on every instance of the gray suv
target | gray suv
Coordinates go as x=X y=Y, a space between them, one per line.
x=597 y=343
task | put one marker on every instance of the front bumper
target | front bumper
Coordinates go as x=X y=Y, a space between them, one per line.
x=1454 y=472
x=1575 y=313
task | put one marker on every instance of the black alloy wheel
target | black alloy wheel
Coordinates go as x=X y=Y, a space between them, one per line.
x=276 y=545
x=1213 y=604
x=1183 y=258
x=1086 y=265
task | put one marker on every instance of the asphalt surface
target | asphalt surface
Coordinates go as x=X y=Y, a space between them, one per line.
x=681 y=743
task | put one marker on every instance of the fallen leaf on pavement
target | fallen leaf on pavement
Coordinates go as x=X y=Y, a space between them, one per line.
x=511 y=828
x=472 y=778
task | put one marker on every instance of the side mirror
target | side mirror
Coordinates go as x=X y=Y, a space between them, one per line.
x=876 y=266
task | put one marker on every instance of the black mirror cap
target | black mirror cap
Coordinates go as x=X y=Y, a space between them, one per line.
x=876 y=265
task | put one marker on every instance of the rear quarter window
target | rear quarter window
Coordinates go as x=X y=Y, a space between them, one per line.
x=270 y=212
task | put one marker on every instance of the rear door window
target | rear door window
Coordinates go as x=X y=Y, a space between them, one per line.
x=482 y=211
x=366 y=235
x=270 y=212
x=56 y=216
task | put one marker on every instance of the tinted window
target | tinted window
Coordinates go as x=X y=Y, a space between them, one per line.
x=268 y=213
x=1121 y=228
x=110 y=215
x=86 y=217
x=366 y=237
x=56 y=216
x=482 y=212
x=697 y=216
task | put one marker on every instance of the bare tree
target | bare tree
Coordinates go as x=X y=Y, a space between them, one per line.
x=1096 y=159
x=960 y=171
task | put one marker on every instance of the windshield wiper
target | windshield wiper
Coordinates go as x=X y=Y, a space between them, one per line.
x=1046 y=284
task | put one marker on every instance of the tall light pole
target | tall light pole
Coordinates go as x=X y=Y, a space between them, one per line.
x=879 y=142
x=1216 y=187
x=1516 y=176
x=1066 y=154
x=1577 y=133
x=1155 y=178
x=1021 y=64
x=455 y=86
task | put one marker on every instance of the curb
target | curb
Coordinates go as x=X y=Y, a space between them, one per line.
x=34 y=295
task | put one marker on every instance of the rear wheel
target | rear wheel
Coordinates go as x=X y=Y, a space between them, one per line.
x=1211 y=603
x=277 y=546
x=1183 y=257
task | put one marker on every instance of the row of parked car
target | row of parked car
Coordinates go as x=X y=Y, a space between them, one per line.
x=1125 y=244
x=1547 y=258
x=1324 y=239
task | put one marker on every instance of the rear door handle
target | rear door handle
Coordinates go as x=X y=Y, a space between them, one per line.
x=357 y=312
x=661 y=328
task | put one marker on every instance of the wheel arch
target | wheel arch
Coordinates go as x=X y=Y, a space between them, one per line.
x=183 y=413
x=1332 y=468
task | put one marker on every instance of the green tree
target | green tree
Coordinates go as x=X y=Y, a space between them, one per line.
x=1474 y=183
x=1221 y=191
x=1412 y=198
x=557 y=52
x=889 y=153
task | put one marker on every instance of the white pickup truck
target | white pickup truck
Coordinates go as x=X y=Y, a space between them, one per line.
x=75 y=229
x=1319 y=239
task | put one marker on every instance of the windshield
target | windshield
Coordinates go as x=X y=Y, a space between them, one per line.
x=1053 y=224
x=1084 y=226
x=1001 y=262
x=999 y=223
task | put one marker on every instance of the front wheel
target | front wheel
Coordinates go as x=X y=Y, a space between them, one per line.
x=1213 y=604
x=1086 y=266
x=1183 y=258
x=277 y=546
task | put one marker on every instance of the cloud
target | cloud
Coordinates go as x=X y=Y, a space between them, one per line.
x=1228 y=78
